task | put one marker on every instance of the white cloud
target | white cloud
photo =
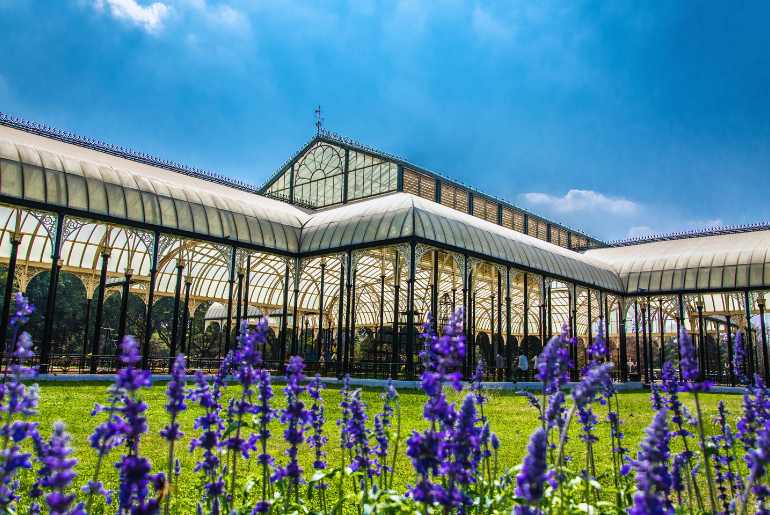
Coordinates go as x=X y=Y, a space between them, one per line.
x=582 y=201
x=148 y=17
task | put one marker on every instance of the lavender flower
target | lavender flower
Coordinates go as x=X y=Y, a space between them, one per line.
x=553 y=364
x=243 y=363
x=56 y=473
x=554 y=413
x=175 y=395
x=532 y=476
x=383 y=422
x=211 y=426
x=358 y=439
x=596 y=381
x=296 y=418
x=317 y=419
x=739 y=358
x=653 y=481
x=430 y=449
x=598 y=351
x=689 y=364
x=17 y=403
x=265 y=414
x=134 y=470
x=463 y=452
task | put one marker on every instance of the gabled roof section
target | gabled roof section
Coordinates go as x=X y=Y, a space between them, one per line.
x=403 y=215
x=333 y=138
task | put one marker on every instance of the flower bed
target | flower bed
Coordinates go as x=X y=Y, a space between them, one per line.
x=454 y=457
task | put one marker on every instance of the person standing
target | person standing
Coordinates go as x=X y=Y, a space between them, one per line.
x=523 y=366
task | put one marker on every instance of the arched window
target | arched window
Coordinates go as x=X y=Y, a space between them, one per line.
x=318 y=177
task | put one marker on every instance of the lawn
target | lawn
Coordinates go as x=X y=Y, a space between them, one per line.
x=510 y=415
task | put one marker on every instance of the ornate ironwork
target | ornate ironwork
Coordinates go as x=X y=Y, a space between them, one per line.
x=72 y=224
x=46 y=219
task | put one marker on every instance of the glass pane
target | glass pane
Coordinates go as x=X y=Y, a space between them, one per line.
x=134 y=209
x=76 y=191
x=167 y=211
x=115 y=200
x=34 y=187
x=97 y=197
x=10 y=178
x=55 y=188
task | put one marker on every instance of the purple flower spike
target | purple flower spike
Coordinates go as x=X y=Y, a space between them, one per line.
x=531 y=479
x=689 y=364
x=56 y=472
x=317 y=419
x=739 y=358
x=596 y=381
x=296 y=418
x=553 y=364
x=653 y=481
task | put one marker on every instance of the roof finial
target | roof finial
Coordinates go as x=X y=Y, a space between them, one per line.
x=319 y=121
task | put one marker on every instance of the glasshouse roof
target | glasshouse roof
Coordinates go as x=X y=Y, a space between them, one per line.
x=330 y=198
x=710 y=262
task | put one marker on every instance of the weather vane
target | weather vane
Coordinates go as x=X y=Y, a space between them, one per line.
x=319 y=121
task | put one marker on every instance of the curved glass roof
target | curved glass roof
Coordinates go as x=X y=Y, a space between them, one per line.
x=58 y=174
x=725 y=261
x=402 y=215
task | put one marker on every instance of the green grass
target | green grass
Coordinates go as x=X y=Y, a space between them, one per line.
x=510 y=416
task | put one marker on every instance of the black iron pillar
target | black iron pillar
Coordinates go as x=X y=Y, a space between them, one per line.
x=466 y=315
x=729 y=335
x=150 y=301
x=763 y=335
x=410 y=332
x=50 y=306
x=662 y=336
x=549 y=325
x=175 y=315
x=124 y=304
x=395 y=360
x=295 y=309
x=15 y=242
x=622 y=351
x=230 y=288
x=650 y=352
x=508 y=338
x=239 y=304
x=284 y=313
x=95 y=344
x=340 y=315
x=719 y=353
x=589 y=307
x=679 y=326
x=748 y=342
x=501 y=340
x=246 y=279
x=351 y=356
x=644 y=343
x=701 y=340
x=525 y=316
x=434 y=292
x=381 y=325
x=636 y=338
x=348 y=292
x=319 y=340
x=183 y=347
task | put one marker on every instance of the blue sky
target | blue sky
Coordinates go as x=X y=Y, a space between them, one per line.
x=620 y=118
